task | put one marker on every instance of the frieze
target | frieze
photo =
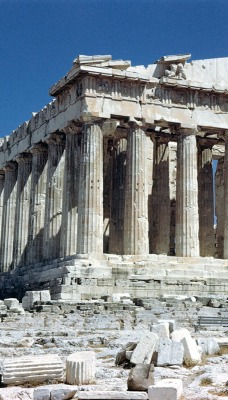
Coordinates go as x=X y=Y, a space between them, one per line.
x=186 y=98
x=103 y=86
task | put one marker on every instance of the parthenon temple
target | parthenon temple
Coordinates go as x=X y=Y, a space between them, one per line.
x=120 y=183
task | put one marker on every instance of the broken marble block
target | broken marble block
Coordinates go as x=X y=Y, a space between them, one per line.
x=172 y=324
x=179 y=334
x=191 y=352
x=80 y=368
x=140 y=377
x=55 y=392
x=208 y=346
x=32 y=369
x=125 y=353
x=11 y=303
x=42 y=393
x=161 y=329
x=170 y=352
x=143 y=352
x=35 y=296
x=166 y=389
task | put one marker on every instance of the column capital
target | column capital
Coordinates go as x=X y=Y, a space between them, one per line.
x=39 y=148
x=55 y=138
x=72 y=128
x=99 y=122
x=10 y=166
x=25 y=158
x=186 y=131
x=135 y=124
x=162 y=139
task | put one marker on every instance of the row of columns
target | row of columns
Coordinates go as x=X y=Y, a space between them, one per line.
x=51 y=199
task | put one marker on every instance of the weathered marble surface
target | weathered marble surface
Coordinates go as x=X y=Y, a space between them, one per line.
x=120 y=162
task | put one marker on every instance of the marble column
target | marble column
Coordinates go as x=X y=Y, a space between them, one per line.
x=2 y=184
x=108 y=165
x=70 y=193
x=220 y=206
x=37 y=203
x=225 y=245
x=187 y=216
x=149 y=178
x=136 y=195
x=8 y=220
x=90 y=205
x=206 y=201
x=172 y=193
x=54 y=196
x=117 y=198
x=24 y=162
x=161 y=198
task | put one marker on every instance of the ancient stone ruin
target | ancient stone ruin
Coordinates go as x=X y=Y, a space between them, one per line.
x=109 y=188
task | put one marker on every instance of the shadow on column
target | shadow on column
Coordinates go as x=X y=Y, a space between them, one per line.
x=161 y=205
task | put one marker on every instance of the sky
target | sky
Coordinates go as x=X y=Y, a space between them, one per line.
x=40 y=38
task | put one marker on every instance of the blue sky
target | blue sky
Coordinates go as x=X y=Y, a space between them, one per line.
x=40 y=38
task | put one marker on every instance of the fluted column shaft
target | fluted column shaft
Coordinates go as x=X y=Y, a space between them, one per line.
x=37 y=203
x=149 y=177
x=136 y=196
x=70 y=194
x=108 y=165
x=161 y=198
x=54 y=197
x=220 y=206
x=225 y=245
x=2 y=185
x=117 y=198
x=187 y=216
x=206 y=202
x=22 y=208
x=8 y=220
x=90 y=207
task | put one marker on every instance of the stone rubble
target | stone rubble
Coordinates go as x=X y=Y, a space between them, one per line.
x=61 y=328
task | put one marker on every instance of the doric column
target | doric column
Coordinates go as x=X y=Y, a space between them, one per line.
x=187 y=216
x=90 y=206
x=37 y=203
x=206 y=202
x=117 y=198
x=108 y=165
x=161 y=198
x=70 y=192
x=225 y=245
x=54 y=196
x=219 y=206
x=136 y=196
x=22 y=208
x=172 y=193
x=149 y=143
x=8 y=220
x=2 y=185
